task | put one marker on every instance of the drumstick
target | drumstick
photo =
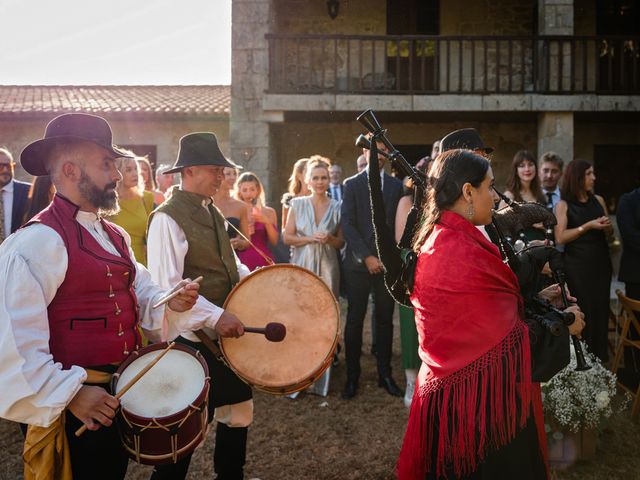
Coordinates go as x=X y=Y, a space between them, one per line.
x=132 y=382
x=273 y=331
x=175 y=291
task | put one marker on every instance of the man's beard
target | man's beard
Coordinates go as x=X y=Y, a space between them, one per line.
x=104 y=200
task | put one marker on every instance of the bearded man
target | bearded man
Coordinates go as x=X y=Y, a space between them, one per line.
x=72 y=303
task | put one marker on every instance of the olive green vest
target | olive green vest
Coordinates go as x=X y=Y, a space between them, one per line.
x=210 y=253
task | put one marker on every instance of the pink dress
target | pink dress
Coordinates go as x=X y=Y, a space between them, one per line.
x=249 y=256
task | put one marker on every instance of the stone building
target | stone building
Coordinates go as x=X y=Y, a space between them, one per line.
x=560 y=75
x=147 y=119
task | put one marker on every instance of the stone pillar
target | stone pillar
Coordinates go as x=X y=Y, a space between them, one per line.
x=555 y=133
x=555 y=129
x=248 y=129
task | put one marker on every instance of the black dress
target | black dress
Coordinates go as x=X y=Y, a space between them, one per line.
x=230 y=230
x=588 y=270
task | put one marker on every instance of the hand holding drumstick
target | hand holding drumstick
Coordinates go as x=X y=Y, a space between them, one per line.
x=110 y=404
x=183 y=296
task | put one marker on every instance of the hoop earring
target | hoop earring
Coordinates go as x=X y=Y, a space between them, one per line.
x=470 y=211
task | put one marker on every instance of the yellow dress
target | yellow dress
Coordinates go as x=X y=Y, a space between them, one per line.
x=133 y=217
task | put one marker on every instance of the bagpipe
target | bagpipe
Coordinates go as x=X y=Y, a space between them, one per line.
x=506 y=230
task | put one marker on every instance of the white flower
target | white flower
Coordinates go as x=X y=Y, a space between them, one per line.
x=575 y=400
x=602 y=399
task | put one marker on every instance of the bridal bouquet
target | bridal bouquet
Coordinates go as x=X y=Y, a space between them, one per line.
x=580 y=400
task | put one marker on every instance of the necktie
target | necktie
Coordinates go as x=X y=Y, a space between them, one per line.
x=2 y=232
x=549 y=199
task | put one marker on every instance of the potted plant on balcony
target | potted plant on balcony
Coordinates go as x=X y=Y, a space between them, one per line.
x=577 y=406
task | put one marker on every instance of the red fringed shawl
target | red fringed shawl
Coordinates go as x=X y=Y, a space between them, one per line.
x=475 y=378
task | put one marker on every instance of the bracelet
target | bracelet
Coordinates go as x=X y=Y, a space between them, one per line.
x=581 y=229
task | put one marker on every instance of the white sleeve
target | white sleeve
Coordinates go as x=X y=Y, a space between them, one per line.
x=35 y=389
x=243 y=270
x=167 y=248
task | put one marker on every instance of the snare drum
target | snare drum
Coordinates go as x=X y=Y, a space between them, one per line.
x=300 y=300
x=163 y=417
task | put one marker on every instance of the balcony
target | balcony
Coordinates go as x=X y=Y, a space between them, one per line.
x=460 y=65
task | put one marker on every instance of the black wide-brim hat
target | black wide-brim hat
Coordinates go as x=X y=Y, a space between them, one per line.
x=79 y=127
x=200 y=149
x=466 y=138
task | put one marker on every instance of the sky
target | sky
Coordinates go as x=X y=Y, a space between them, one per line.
x=117 y=42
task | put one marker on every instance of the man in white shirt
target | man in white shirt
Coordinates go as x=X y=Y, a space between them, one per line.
x=57 y=329
x=187 y=237
x=335 y=187
x=550 y=168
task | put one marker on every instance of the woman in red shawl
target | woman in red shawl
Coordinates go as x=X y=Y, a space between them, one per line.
x=475 y=412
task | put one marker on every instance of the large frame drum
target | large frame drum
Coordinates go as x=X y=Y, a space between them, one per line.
x=300 y=300
x=163 y=417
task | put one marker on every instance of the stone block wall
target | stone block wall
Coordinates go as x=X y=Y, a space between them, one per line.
x=356 y=17
x=486 y=17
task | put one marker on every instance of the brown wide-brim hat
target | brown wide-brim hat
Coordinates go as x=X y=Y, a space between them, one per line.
x=79 y=127
x=200 y=149
x=466 y=138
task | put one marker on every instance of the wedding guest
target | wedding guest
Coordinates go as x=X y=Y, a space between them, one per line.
x=523 y=185
x=234 y=211
x=146 y=172
x=583 y=226
x=263 y=218
x=628 y=218
x=313 y=227
x=136 y=204
x=163 y=182
x=296 y=187
x=41 y=194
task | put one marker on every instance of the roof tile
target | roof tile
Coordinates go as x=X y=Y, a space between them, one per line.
x=202 y=100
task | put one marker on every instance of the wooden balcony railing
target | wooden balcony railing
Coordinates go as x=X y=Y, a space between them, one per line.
x=398 y=64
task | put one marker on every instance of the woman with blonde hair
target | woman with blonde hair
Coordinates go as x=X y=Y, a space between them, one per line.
x=136 y=204
x=146 y=172
x=265 y=222
x=235 y=212
x=297 y=187
x=313 y=228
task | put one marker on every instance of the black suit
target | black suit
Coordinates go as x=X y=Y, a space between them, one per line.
x=357 y=228
x=628 y=218
x=19 y=208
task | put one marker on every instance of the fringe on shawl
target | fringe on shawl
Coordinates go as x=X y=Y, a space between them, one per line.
x=475 y=410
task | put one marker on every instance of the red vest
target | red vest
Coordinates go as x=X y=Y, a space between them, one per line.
x=94 y=316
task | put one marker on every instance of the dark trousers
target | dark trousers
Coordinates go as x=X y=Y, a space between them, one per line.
x=231 y=443
x=359 y=285
x=95 y=455
x=632 y=355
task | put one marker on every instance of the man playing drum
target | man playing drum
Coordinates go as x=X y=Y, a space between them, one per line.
x=187 y=236
x=72 y=299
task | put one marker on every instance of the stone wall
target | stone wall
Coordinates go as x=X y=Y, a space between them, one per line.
x=487 y=17
x=164 y=134
x=249 y=130
x=356 y=17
